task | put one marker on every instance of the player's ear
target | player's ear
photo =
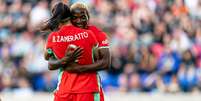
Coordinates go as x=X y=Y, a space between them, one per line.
x=88 y=16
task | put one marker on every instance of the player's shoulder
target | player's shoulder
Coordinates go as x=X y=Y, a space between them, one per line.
x=94 y=28
x=51 y=35
x=67 y=27
x=97 y=32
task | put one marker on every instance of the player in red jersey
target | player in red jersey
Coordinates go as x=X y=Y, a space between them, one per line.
x=80 y=18
x=74 y=83
x=80 y=86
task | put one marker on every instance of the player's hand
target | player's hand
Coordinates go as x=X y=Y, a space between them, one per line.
x=74 y=51
x=72 y=54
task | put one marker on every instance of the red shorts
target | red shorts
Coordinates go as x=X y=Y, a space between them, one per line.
x=81 y=97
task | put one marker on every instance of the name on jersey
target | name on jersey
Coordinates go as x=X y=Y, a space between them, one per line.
x=70 y=38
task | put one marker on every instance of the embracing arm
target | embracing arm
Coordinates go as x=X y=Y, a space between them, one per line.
x=70 y=56
x=53 y=63
x=103 y=62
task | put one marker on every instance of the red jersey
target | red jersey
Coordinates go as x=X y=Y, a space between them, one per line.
x=74 y=82
x=100 y=36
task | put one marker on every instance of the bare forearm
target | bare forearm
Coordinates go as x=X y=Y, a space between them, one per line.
x=69 y=57
x=55 y=64
x=99 y=65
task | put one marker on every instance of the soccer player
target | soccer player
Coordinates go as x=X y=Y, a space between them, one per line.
x=80 y=18
x=71 y=86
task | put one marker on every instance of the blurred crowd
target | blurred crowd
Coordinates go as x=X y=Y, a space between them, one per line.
x=155 y=45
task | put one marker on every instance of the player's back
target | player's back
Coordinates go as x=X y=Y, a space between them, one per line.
x=72 y=35
x=75 y=82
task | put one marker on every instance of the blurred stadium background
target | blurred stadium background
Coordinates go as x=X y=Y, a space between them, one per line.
x=155 y=46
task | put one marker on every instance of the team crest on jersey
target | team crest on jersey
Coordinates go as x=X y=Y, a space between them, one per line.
x=69 y=38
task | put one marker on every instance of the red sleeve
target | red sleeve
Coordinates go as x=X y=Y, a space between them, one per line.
x=50 y=42
x=102 y=40
x=93 y=40
x=100 y=36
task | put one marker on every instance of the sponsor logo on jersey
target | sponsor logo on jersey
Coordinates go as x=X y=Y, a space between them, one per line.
x=105 y=42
